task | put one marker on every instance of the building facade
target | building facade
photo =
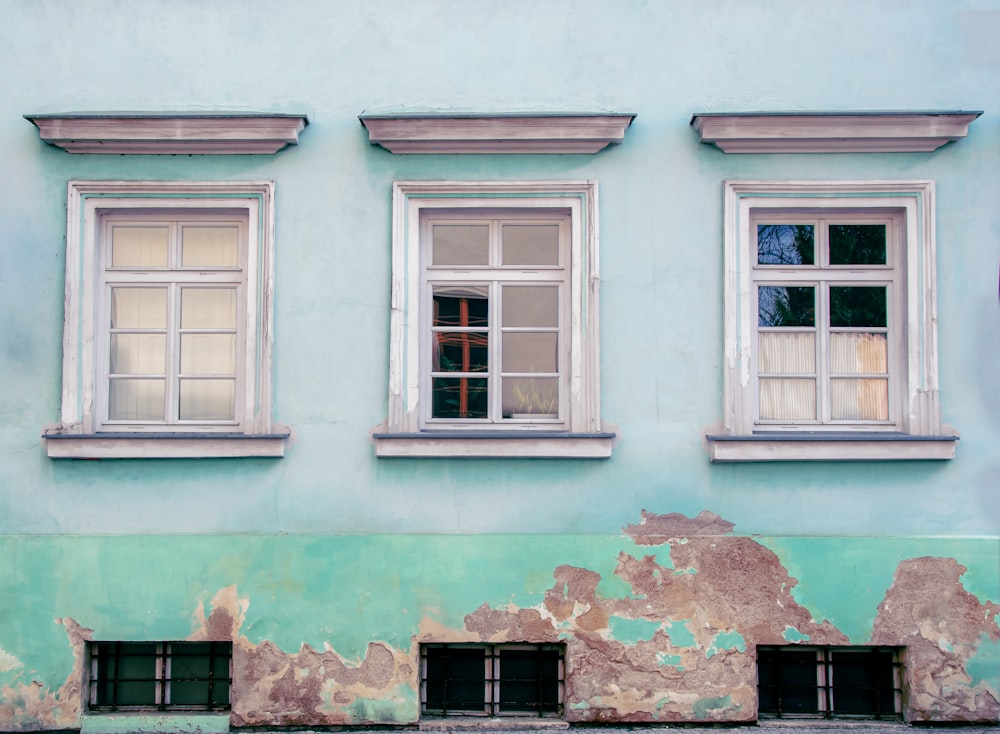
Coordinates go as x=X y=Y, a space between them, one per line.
x=377 y=363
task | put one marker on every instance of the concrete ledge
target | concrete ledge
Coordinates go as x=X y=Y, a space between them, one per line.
x=496 y=723
x=183 y=722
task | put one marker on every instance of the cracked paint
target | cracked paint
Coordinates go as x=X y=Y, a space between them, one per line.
x=664 y=646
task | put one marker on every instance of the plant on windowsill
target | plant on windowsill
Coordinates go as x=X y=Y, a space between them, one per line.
x=533 y=403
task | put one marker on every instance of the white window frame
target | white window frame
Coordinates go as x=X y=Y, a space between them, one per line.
x=406 y=432
x=83 y=431
x=915 y=430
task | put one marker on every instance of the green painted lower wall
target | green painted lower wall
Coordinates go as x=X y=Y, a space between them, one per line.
x=658 y=627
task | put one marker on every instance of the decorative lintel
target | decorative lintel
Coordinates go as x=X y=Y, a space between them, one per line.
x=507 y=133
x=170 y=133
x=832 y=132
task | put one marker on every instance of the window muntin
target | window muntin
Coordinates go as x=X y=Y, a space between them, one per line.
x=492 y=680
x=829 y=319
x=498 y=289
x=160 y=676
x=829 y=682
x=171 y=324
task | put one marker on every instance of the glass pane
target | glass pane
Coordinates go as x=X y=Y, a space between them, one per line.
x=208 y=308
x=857 y=244
x=207 y=400
x=787 y=352
x=529 y=680
x=139 y=247
x=531 y=397
x=136 y=674
x=530 y=352
x=859 y=400
x=459 y=397
x=530 y=244
x=190 y=669
x=136 y=400
x=461 y=305
x=785 y=244
x=786 y=305
x=208 y=354
x=460 y=352
x=863 y=683
x=461 y=244
x=209 y=247
x=858 y=353
x=857 y=306
x=787 y=682
x=456 y=679
x=138 y=354
x=138 y=308
x=530 y=305
x=787 y=399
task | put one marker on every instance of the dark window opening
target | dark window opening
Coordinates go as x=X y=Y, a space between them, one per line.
x=492 y=680
x=829 y=682
x=161 y=676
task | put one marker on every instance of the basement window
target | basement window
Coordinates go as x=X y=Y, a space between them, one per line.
x=829 y=682
x=160 y=676
x=492 y=680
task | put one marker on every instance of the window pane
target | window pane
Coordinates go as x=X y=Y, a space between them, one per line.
x=530 y=244
x=461 y=244
x=138 y=354
x=208 y=308
x=530 y=352
x=863 y=683
x=209 y=247
x=461 y=305
x=536 y=397
x=787 y=352
x=136 y=400
x=787 y=399
x=136 y=674
x=138 y=308
x=456 y=679
x=859 y=400
x=786 y=305
x=857 y=306
x=529 y=680
x=530 y=305
x=788 y=681
x=858 y=353
x=785 y=244
x=460 y=352
x=459 y=397
x=207 y=400
x=139 y=247
x=208 y=354
x=857 y=244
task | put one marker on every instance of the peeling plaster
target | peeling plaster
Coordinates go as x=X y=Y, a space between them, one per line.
x=668 y=647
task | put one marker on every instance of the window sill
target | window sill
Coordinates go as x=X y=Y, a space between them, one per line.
x=494 y=444
x=163 y=445
x=155 y=722
x=815 y=446
x=495 y=723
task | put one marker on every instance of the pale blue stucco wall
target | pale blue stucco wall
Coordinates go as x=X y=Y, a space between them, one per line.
x=661 y=250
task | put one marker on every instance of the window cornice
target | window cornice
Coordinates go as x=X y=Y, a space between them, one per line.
x=504 y=133
x=832 y=132
x=169 y=133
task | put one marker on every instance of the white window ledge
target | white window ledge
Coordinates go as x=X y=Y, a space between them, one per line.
x=511 y=133
x=494 y=444
x=155 y=723
x=163 y=445
x=816 y=446
x=831 y=132
x=169 y=133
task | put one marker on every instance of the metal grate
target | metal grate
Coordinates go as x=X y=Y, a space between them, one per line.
x=492 y=680
x=829 y=682
x=161 y=676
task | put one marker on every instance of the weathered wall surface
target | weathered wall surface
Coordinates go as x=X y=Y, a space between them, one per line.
x=660 y=623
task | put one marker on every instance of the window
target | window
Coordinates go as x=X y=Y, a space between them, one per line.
x=830 y=323
x=491 y=680
x=494 y=333
x=168 y=321
x=829 y=682
x=161 y=676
